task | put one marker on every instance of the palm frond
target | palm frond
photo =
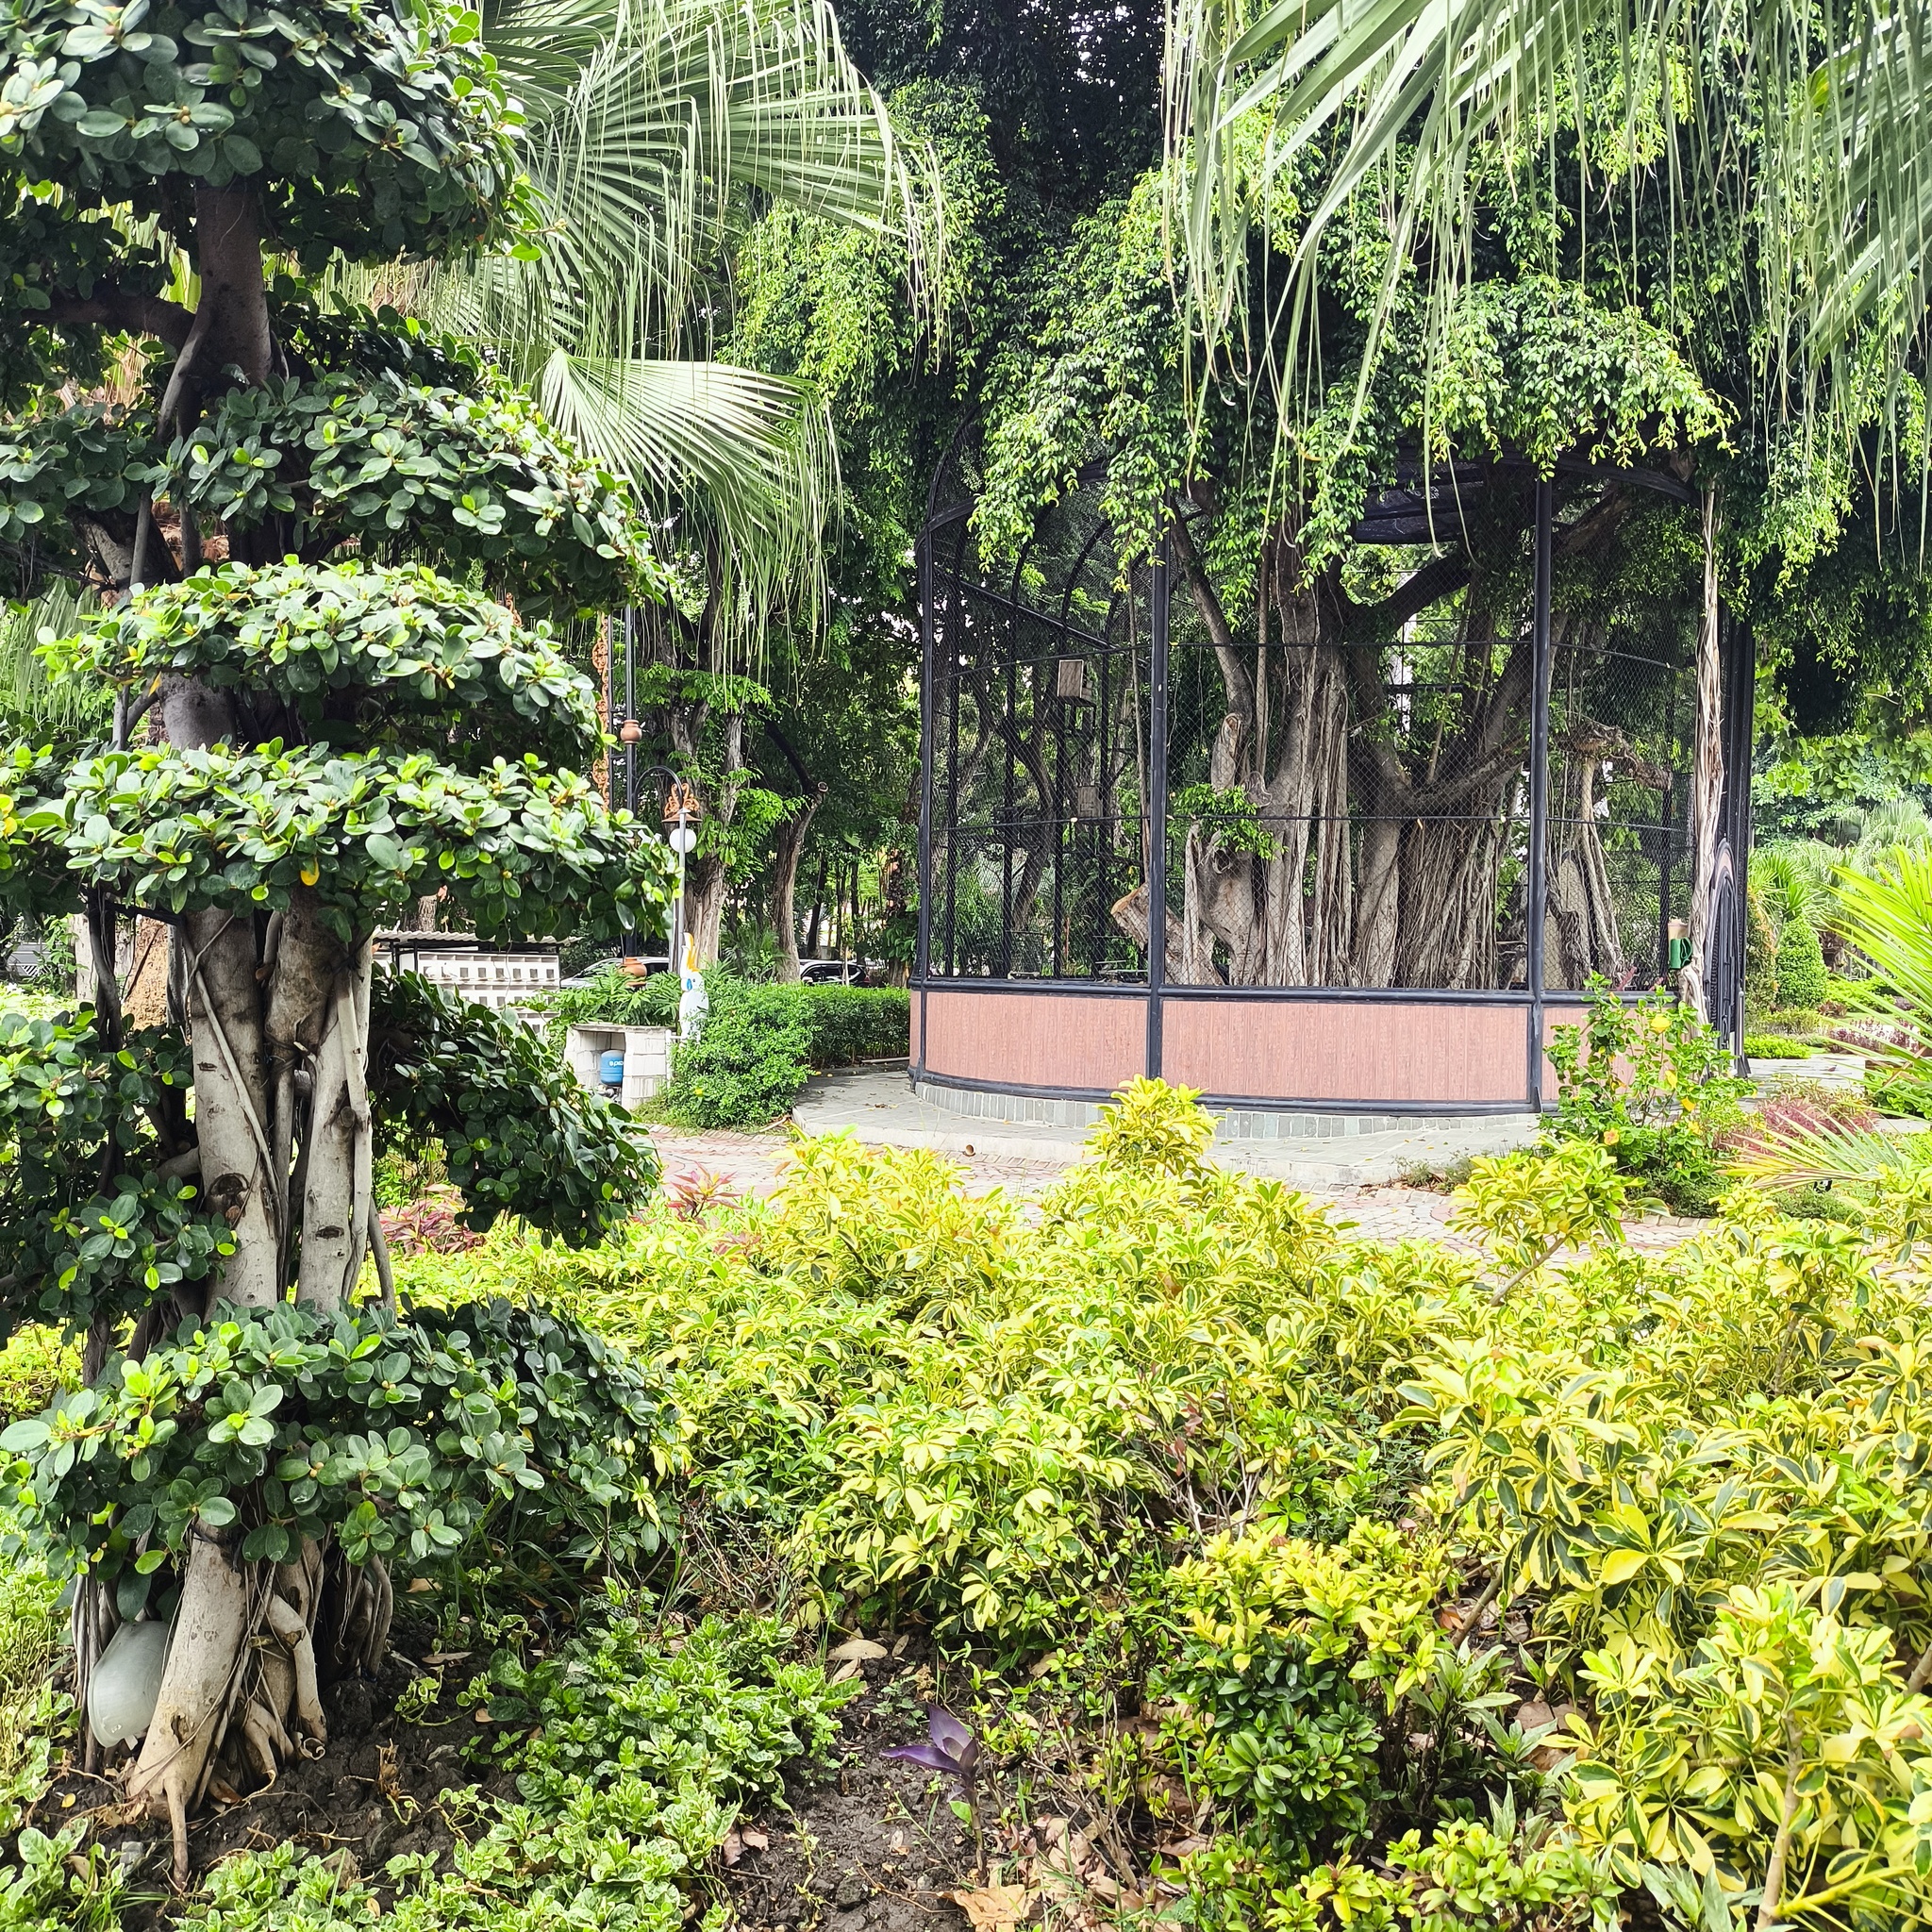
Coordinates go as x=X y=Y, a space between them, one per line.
x=542 y=47
x=35 y=708
x=633 y=166
x=1887 y=914
x=1795 y=1158
x=649 y=122
x=1792 y=879
x=749 y=454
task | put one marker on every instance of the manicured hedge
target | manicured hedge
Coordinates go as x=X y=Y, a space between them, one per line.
x=850 y=1023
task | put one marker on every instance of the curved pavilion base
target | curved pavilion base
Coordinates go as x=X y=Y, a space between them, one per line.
x=1274 y=1062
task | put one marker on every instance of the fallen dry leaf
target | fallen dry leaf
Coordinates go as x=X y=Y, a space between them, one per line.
x=998 y=1908
x=418 y=1584
x=858 y=1650
x=387 y=1781
x=845 y=1672
x=436 y=1658
x=754 y=1841
x=733 y=1847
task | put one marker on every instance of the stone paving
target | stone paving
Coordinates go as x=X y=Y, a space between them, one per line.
x=1025 y=1160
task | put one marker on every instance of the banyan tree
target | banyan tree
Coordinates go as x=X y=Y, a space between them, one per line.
x=1476 y=752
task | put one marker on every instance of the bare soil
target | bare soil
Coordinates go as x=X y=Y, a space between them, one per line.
x=869 y=1845
x=372 y=1794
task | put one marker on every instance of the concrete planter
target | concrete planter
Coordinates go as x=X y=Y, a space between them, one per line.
x=646 y=1058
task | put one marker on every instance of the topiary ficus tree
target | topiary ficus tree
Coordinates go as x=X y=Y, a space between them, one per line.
x=325 y=546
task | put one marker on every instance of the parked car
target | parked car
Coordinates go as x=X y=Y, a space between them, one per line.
x=843 y=972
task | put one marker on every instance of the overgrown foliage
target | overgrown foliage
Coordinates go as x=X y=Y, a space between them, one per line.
x=1177 y=1425
x=1653 y=1085
x=1391 y=1599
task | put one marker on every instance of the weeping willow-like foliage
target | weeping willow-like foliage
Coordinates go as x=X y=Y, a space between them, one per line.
x=1804 y=126
x=649 y=123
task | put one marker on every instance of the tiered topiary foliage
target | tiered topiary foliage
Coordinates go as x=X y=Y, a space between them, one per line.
x=313 y=730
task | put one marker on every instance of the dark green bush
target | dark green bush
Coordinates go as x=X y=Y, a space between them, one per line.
x=850 y=1023
x=748 y=1065
x=613 y=999
x=761 y=1042
x=1802 y=980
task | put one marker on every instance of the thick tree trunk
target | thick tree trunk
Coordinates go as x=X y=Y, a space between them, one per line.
x=338 y=1171
x=231 y=1100
x=265 y=1012
x=788 y=845
x=212 y=1627
x=1130 y=915
x=216 y=967
x=1450 y=871
x=228 y=247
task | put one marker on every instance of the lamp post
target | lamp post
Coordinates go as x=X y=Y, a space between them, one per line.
x=682 y=812
x=681 y=808
x=681 y=815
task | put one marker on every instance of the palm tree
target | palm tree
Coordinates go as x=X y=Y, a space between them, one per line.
x=651 y=124
x=1806 y=123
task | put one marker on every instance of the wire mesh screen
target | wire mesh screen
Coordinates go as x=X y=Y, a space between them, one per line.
x=1037 y=742
x=1350 y=798
x=1626 y=599
x=1348 y=773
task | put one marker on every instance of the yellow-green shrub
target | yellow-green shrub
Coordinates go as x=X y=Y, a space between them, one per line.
x=1688 y=1472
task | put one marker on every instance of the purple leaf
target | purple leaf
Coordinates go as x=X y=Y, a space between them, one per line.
x=930 y=1755
x=950 y=1735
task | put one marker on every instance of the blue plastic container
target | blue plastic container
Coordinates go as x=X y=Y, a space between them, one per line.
x=610 y=1067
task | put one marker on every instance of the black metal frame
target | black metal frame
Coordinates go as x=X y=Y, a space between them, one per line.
x=1533 y=998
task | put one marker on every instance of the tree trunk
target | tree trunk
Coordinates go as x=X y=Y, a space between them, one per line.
x=211 y=1631
x=228 y=247
x=263 y=1009
x=1449 y=874
x=787 y=845
x=337 y=1182
x=231 y=1106
x=705 y=878
x=1707 y=773
x=1130 y=915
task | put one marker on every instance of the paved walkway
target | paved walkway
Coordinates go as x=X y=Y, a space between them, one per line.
x=1358 y=1176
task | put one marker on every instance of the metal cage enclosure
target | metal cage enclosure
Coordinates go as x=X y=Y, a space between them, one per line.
x=1400 y=825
